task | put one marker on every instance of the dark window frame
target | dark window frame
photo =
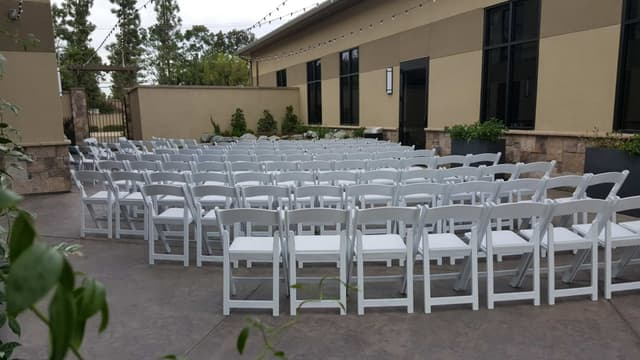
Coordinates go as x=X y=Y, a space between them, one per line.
x=353 y=118
x=625 y=24
x=509 y=45
x=314 y=81
x=281 y=78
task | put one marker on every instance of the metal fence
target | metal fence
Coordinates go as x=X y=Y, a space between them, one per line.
x=110 y=123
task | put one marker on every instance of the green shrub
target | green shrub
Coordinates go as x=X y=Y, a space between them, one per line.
x=267 y=125
x=490 y=130
x=113 y=128
x=321 y=131
x=358 y=133
x=290 y=122
x=618 y=141
x=216 y=127
x=238 y=123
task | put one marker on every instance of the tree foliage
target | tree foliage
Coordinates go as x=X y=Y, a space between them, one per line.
x=238 y=123
x=72 y=30
x=163 y=42
x=267 y=125
x=127 y=49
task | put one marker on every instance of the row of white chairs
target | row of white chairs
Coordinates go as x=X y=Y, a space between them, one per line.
x=411 y=236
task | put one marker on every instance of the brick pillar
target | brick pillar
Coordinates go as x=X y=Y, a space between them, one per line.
x=79 y=114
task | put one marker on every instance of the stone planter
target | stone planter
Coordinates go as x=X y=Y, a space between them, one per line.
x=462 y=147
x=599 y=160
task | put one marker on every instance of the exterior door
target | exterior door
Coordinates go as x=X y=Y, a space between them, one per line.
x=414 y=83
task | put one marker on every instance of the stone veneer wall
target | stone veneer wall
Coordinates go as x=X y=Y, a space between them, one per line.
x=568 y=151
x=48 y=173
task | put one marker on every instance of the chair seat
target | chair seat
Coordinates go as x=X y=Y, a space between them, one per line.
x=563 y=238
x=385 y=243
x=383 y=181
x=312 y=244
x=631 y=225
x=100 y=196
x=213 y=199
x=251 y=245
x=373 y=198
x=505 y=241
x=619 y=235
x=209 y=218
x=445 y=243
x=173 y=214
x=214 y=183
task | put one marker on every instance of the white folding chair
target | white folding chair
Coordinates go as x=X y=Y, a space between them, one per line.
x=210 y=166
x=316 y=165
x=244 y=166
x=153 y=157
x=417 y=163
x=422 y=153
x=536 y=169
x=144 y=165
x=298 y=157
x=160 y=215
x=206 y=157
x=127 y=157
x=210 y=178
x=127 y=202
x=341 y=178
x=460 y=174
x=384 y=177
x=508 y=242
x=177 y=166
x=487 y=159
x=295 y=178
x=327 y=157
x=237 y=157
x=318 y=248
x=499 y=172
x=206 y=199
x=450 y=161
x=182 y=157
x=244 y=245
x=250 y=179
x=437 y=244
x=95 y=191
x=384 y=164
x=430 y=194
x=350 y=165
x=559 y=238
x=420 y=176
x=276 y=167
x=262 y=157
x=397 y=244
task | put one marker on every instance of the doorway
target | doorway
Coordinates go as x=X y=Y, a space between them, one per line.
x=414 y=83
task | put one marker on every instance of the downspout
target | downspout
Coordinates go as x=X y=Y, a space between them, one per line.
x=257 y=74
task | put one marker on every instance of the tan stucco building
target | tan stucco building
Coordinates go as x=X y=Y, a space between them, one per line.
x=551 y=69
x=30 y=81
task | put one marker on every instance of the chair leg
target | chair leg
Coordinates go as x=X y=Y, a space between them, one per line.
x=152 y=239
x=624 y=261
x=293 y=292
x=226 y=284
x=185 y=243
x=342 y=284
x=360 y=270
x=536 y=275
x=551 y=275
x=608 y=278
x=426 y=273
x=594 y=270
x=109 y=221
x=409 y=278
x=490 y=302
x=276 y=286
x=199 y=234
x=83 y=221
x=116 y=216
x=463 y=278
x=474 y=279
x=570 y=274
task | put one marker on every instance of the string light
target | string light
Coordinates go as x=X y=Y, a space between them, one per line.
x=342 y=36
x=264 y=18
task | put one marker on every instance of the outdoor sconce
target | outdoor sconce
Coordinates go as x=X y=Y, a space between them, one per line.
x=16 y=14
x=389 y=75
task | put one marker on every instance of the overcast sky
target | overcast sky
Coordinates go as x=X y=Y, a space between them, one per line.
x=217 y=15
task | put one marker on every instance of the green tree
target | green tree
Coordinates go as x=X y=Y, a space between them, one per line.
x=127 y=48
x=163 y=42
x=73 y=30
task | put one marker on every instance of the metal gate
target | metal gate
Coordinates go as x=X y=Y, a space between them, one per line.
x=110 y=123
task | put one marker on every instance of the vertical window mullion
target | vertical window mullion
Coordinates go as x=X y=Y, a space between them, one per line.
x=507 y=101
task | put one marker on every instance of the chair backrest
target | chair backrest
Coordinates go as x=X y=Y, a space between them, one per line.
x=613 y=179
x=110 y=165
x=319 y=192
x=214 y=195
x=210 y=166
x=317 y=216
x=574 y=182
x=519 y=210
x=262 y=157
x=338 y=177
x=433 y=193
x=165 y=151
x=211 y=157
x=281 y=166
x=251 y=178
x=181 y=157
x=278 y=197
x=329 y=156
x=235 y=157
x=143 y=165
x=422 y=153
x=190 y=152
x=391 y=155
x=244 y=166
x=451 y=160
x=422 y=175
x=356 y=192
x=350 y=165
x=152 y=193
x=228 y=218
x=316 y=165
x=602 y=209
x=483 y=159
x=520 y=187
x=424 y=162
x=153 y=157
x=460 y=174
x=297 y=157
x=407 y=216
x=475 y=214
x=295 y=178
x=483 y=191
x=384 y=164
x=210 y=178
x=127 y=157
x=176 y=166
x=359 y=156
x=134 y=180
x=390 y=177
x=97 y=181
x=538 y=169
x=505 y=171
x=167 y=177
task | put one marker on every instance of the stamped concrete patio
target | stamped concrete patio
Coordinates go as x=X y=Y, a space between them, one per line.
x=169 y=309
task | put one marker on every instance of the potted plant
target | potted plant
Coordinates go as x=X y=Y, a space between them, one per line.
x=614 y=152
x=478 y=138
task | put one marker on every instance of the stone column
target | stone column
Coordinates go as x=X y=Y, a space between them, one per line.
x=79 y=113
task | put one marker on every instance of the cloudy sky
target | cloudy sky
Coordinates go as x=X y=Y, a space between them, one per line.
x=217 y=15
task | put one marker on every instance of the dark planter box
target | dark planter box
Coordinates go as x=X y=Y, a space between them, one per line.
x=599 y=160
x=461 y=147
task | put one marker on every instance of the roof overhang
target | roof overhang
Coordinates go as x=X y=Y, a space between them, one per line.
x=321 y=12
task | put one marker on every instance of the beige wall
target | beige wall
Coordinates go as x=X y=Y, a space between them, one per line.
x=185 y=112
x=30 y=80
x=454 y=89
x=577 y=81
x=65 y=102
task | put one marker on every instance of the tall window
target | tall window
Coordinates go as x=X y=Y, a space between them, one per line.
x=314 y=92
x=349 y=88
x=281 y=78
x=510 y=74
x=627 y=116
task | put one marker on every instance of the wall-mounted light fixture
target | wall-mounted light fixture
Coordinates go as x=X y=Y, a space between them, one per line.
x=389 y=76
x=16 y=14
